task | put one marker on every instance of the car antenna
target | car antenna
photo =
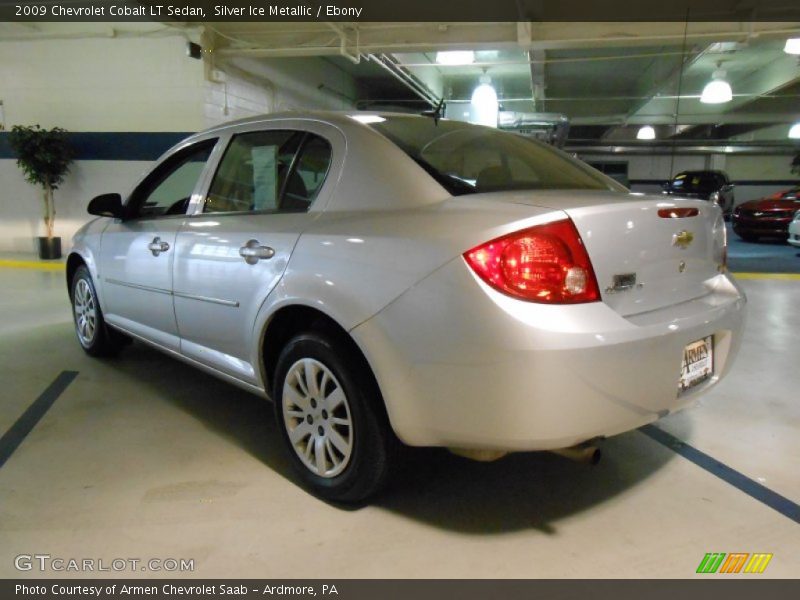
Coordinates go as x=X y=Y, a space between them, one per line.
x=436 y=112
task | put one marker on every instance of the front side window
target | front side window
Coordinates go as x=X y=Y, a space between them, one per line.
x=277 y=171
x=168 y=190
x=465 y=158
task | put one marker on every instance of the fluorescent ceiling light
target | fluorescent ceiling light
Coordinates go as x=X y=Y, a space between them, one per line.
x=717 y=91
x=646 y=133
x=368 y=118
x=455 y=57
x=484 y=103
x=794 y=131
x=792 y=46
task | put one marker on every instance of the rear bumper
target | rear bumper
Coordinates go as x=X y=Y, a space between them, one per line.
x=462 y=365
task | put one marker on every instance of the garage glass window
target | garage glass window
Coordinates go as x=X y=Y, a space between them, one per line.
x=168 y=190
x=465 y=158
x=273 y=171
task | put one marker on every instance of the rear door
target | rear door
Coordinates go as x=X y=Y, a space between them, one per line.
x=233 y=252
x=137 y=252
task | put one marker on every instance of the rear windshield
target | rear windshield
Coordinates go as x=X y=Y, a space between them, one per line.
x=467 y=158
x=697 y=182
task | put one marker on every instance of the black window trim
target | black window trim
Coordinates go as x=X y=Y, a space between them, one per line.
x=135 y=198
x=291 y=170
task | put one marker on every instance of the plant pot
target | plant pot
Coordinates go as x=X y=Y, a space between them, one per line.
x=49 y=248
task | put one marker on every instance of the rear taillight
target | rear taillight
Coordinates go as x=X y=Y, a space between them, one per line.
x=546 y=263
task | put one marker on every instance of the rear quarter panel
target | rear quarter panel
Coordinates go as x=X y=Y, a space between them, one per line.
x=354 y=264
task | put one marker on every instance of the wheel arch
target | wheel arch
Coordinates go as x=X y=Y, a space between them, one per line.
x=293 y=319
x=74 y=262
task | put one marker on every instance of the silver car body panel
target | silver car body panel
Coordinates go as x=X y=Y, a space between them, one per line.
x=794 y=231
x=380 y=252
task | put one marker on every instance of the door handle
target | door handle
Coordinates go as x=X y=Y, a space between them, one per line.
x=157 y=246
x=252 y=252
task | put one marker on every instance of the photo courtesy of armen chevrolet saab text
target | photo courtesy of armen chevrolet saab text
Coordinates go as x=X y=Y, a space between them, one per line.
x=395 y=280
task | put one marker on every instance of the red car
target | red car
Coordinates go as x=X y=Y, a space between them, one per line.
x=767 y=217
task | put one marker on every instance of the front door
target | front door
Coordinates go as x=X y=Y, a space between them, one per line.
x=231 y=255
x=138 y=252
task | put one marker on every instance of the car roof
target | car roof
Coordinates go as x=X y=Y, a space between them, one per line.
x=702 y=172
x=341 y=118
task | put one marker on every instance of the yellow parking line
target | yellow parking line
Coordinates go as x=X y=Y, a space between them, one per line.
x=784 y=276
x=32 y=264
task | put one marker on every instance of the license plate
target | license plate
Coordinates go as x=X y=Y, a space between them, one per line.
x=698 y=363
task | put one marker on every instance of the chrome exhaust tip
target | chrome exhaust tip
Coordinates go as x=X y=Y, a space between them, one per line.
x=589 y=455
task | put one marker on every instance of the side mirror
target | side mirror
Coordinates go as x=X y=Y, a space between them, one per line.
x=106 y=205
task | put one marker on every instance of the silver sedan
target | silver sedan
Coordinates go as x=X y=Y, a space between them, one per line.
x=392 y=279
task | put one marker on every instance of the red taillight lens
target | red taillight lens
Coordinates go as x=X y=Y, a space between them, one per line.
x=677 y=213
x=546 y=263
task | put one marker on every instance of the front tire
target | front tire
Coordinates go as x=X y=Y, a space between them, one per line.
x=93 y=334
x=331 y=418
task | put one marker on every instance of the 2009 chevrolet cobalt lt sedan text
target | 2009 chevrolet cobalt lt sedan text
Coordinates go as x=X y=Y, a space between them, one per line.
x=388 y=278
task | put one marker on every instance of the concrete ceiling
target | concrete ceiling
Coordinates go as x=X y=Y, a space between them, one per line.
x=608 y=78
x=616 y=75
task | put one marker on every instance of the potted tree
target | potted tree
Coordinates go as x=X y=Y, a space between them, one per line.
x=44 y=155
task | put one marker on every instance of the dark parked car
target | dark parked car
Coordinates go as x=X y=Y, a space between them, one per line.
x=767 y=217
x=714 y=186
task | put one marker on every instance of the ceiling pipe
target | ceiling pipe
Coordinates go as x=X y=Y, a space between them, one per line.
x=586 y=147
x=354 y=58
x=411 y=82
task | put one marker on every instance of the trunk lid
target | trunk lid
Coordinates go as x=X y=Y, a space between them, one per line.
x=642 y=261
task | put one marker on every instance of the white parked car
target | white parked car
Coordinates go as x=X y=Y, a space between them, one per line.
x=794 y=230
x=395 y=277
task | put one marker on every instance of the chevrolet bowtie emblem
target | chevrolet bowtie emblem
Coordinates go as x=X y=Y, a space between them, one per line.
x=682 y=239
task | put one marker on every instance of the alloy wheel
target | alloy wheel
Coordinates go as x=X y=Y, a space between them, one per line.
x=85 y=312
x=317 y=418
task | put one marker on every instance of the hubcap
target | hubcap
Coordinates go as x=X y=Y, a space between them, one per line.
x=317 y=418
x=85 y=312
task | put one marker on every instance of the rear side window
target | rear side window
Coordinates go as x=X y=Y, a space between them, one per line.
x=465 y=158
x=312 y=167
x=274 y=171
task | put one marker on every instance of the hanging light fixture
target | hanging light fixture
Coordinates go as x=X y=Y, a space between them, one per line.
x=792 y=46
x=452 y=58
x=718 y=90
x=646 y=133
x=484 y=103
x=794 y=131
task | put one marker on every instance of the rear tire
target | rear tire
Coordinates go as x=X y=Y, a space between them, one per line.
x=94 y=336
x=331 y=418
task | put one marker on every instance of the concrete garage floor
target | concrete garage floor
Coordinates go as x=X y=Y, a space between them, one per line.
x=768 y=255
x=144 y=457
